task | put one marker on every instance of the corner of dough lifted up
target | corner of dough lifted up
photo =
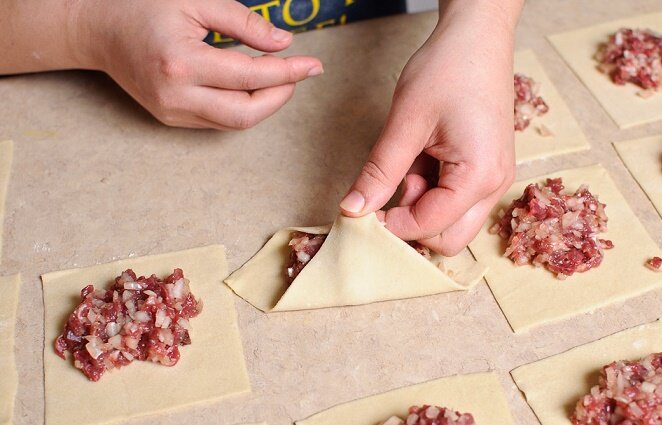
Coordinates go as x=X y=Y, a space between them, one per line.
x=360 y=262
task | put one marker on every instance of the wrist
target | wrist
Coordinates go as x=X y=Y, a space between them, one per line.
x=82 y=26
x=494 y=15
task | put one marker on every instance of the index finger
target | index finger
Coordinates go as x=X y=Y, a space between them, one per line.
x=237 y=71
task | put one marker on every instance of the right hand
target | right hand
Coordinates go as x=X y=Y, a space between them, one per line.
x=154 y=51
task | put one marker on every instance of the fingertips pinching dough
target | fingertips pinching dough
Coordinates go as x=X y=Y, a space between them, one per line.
x=360 y=262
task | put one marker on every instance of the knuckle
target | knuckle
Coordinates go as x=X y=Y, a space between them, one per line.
x=247 y=79
x=374 y=172
x=244 y=121
x=171 y=67
x=254 y=23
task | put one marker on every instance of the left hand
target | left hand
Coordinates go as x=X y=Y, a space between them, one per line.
x=449 y=131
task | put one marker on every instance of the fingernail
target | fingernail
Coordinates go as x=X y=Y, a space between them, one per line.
x=280 y=35
x=315 y=71
x=353 y=202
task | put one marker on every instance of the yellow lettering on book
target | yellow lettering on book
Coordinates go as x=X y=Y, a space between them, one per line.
x=343 y=19
x=263 y=9
x=326 y=23
x=348 y=2
x=287 y=13
x=218 y=38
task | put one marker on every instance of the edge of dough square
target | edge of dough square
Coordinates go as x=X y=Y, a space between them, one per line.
x=478 y=393
x=553 y=386
x=643 y=159
x=9 y=290
x=211 y=368
x=566 y=136
x=622 y=103
x=531 y=296
x=6 y=153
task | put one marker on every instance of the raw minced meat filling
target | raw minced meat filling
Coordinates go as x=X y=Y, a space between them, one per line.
x=138 y=318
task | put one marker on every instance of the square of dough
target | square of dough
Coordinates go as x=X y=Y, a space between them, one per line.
x=6 y=150
x=530 y=296
x=554 y=385
x=9 y=290
x=622 y=103
x=479 y=394
x=211 y=368
x=643 y=157
x=567 y=135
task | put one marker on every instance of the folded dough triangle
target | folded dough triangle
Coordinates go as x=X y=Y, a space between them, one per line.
x=360 y=262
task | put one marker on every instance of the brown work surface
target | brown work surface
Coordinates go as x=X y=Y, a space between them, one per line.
x=95 y=179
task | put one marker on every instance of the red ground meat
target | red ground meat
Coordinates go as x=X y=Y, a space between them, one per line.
x=628 y=393
x=432 y=415
x=634 y=56
x=304 y=246
x=546 y=227
x=143 y=318
x=654 y=264
x=528 y=104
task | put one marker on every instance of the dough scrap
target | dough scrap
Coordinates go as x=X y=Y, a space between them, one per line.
x=531 y=296
x=479 y=394
x=211 y=368
x=566 y=136
x=6 y=151
x=360 y=262
x=554 y=385
x=9 y=292
x=622 y=103
x=643 y=157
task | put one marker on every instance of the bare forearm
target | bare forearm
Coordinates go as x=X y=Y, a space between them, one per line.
x=39 y=36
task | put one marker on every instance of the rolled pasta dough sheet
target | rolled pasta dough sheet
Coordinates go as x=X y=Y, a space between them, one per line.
x=553 y=386
x=360 y=262
x=643 y=158
x=479 y=394
x=6 y=152
x=622 y=103
x=9 y=291
x=566 y=136
x=211 y=368
x=531 y=296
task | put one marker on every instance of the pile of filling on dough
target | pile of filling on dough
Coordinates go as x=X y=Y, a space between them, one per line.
x=528 y=104
x=136 y=319
x=556 y=230
x=654 y=264
x=633 y=55
x=304 y=246
x=628 y=393
x=432 y=415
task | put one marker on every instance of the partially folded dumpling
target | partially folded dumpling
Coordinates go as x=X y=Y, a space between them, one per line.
x=359 y=262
